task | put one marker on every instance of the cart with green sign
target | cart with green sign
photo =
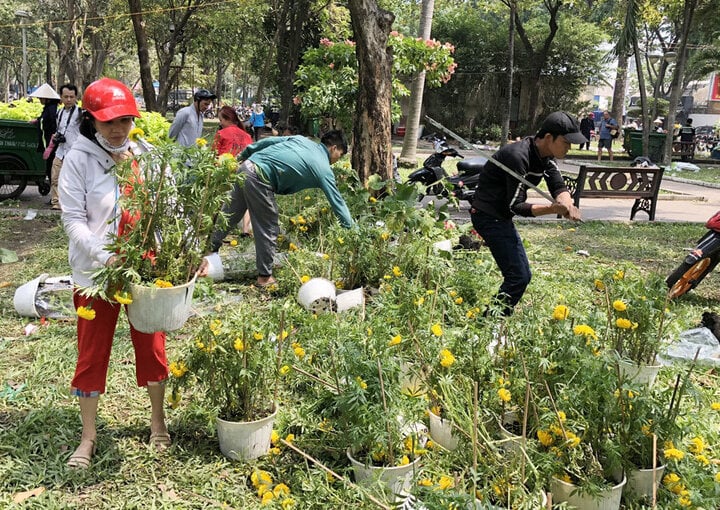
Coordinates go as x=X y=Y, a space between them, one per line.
x=20 y=162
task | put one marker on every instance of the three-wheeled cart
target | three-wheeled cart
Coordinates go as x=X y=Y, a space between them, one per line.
x=20 y=162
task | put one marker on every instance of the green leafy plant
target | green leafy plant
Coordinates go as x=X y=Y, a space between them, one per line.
x=169 y=205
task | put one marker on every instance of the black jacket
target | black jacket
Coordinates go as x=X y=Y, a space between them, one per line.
x=501 y=195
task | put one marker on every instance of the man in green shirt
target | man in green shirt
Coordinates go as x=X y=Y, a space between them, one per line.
x=282 y=165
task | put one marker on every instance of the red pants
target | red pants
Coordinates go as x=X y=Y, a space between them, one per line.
x=95 y=340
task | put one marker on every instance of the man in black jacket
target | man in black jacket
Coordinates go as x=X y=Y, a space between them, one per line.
x=587 y=128
x=500 y=196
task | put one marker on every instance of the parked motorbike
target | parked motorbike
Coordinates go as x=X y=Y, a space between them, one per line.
x=464 y=183
x=699 y=262
x=432 y=173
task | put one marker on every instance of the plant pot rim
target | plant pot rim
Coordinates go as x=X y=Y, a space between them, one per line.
x=271 y=415
x=152 y=286
x=350 y=455
x=613 y=487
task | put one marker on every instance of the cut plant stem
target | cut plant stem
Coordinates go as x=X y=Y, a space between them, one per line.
x=391 y=455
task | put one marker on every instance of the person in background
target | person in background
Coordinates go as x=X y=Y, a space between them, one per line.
x=232 y=138
x=587 y=128
x=89 y=193
x=282 y=165
x=500 y=196
x=257 y=121
x=187 y=125
x=687 y=141
x=608 y=128
x=68 y=130
x=47 y=124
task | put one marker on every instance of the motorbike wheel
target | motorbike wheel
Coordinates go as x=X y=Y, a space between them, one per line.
x=688 y=276
x=43 y=187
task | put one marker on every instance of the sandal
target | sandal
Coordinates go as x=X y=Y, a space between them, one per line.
x=271 y=281
x=81 y=460
x=160 y=441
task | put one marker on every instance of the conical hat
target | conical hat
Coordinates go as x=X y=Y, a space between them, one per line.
x=45 y=91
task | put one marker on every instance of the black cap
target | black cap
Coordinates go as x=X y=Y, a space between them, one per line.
x=201 y=94
x=560 y=123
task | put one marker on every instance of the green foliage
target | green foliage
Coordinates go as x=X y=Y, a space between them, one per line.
x=20 y=110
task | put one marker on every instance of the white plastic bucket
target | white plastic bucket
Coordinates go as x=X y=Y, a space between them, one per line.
x=215 y=267
x=606 y=499
x=24 y=299
x=639 y=373
x=397 y=479
x=317 y=295
x=245 y=440
x=160 y=309
x=347 y=299
x=441 y=431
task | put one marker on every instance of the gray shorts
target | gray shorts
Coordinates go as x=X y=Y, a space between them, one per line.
x=605 y=143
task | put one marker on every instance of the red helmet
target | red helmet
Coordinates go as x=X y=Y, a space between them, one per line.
x=107 y=99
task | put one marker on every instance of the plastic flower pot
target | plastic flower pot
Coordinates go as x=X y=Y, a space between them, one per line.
x=397 y=479
x=441 y=431
x=639 y=373
x=643 y=482
x=160 y=309
x=245 y=440
x=606 y=499
x=317 y=295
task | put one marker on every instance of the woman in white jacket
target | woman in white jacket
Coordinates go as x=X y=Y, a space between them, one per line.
x=89 y=193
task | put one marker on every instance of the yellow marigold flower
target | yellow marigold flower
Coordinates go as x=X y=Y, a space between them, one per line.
x=274 y=451
x=419 y=301
x=136 y=133
x=385 y=236
x=304 y=278
x=200 y=142
x=257 y=335
x=565 y=478
x=585 y=330
x=435 y=410
x=163 y=284
x=122 y=297
x=369 y=331
x=404 y=461
x=684 y=501
x=673 y=454
x=396 y=271
x=572 y=439
x=702 y=459
x=697 y=445
x=325 y=256
x=445 y=483
x=267 y=498
x=233 y=242
x=561 y=416
x=299 y=352
x=619 y=305
x=715 y=406
x=174 y=398
x=274 y=437
x=284 y=370
x=561 y=313
x=436 y=329
x=284 y=334
x=86 y=313
x=372 y=200
x=395 y=340
x=458 y=300
x=287 y=503
x=425 y=482
x=340 y=240
x=670 y=479
x=292 y=247
x=599 y=285
x=717 y=477
x=504 y=394
x=387 y=277
x=470 y=314
x=545 y=438
x=239 y=345
x=260 y=477
x=446 y=358
x=453 y=293
x=281 y=490
x=429 y=292
x=619 y=275
x=361 y=383
x=290 y=438
x=623 y=323
x=178 y=369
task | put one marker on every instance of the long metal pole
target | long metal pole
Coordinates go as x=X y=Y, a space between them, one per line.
x=25 y=62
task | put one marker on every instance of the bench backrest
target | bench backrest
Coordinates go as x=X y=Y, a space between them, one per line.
x=619 y=182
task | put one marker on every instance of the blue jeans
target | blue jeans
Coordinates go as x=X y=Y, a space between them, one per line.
x=507 y=249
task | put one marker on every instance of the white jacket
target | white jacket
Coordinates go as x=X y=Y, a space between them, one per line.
x=88 y=193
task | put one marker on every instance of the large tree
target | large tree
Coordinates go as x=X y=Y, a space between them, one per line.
x=372 y=150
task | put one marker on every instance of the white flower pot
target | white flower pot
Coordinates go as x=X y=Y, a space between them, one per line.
x=245 y=440
x=317 y=295
x=160 y=309
x=411 y=383
x=639 y=374
x=607 y=499
x=643 y=482
x=512 y=443
x=397 y=479
x=441 y=431
x=347 y=299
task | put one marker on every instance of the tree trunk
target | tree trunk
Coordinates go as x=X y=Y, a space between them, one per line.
x=643 y=100
x=677 y=79
x=264 y=75
x=510 y=75
x=618 y=101
x=372 y=149
x=143 y=55
x=408 y=156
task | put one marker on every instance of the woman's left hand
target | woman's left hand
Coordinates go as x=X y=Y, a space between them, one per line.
x=204 y=268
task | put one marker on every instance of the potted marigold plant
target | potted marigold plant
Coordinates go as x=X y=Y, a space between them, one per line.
x=232 y=362
x=169 y=202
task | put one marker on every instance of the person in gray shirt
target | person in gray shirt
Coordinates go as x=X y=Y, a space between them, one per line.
x=187 y=126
